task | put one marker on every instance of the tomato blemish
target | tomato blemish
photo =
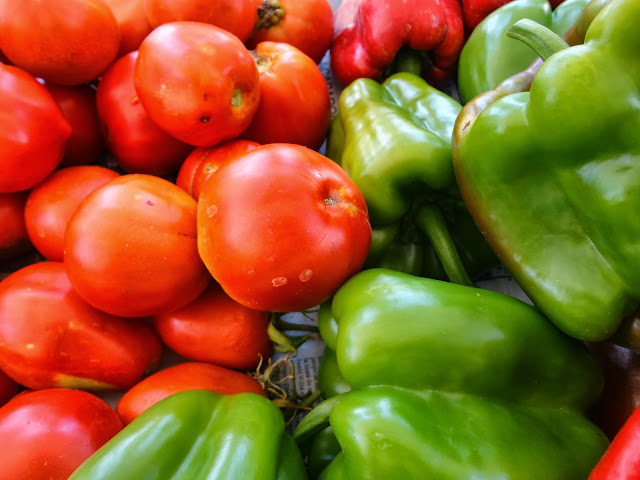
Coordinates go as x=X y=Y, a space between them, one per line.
x=149 y=202
x=305 y=275
x=212 y=210
x=279 y=281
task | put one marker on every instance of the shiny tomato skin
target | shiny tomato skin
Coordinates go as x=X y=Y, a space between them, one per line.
x=132 y=23
x=51 y=204
x=295 y=105
x=131 y=247
x=282 y=227
x=197 y=82
x=47 y=434
x=50 y=337
x=214 y=328
x=305 y=24
x=181 y=377
x=78 y=106
x=137 y=143
x=235 y=16
x=33 y=132
x=67 y=42
x=205 y=161
x=14 y=238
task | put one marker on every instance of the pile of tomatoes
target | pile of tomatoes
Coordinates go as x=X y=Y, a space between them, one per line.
x=216 y=209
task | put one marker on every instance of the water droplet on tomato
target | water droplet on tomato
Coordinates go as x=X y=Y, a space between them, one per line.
x=305 y=275
x=279 y=281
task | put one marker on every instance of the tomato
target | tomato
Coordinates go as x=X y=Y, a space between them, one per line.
x=197 y=82
x=235 y=16
x=205 y=161
x=33 y=131
x=51 y=204
x=138 y=144
x=132 y=23
x=131 y=247
x=216 y=329
x=67 y=42
x=50 y=337
x=78 y=106
x=295 y=105
x=8 y=388
x=46 y=435
x=14 y=239
x=305 y=24
x=181 y=377
x=282 y=227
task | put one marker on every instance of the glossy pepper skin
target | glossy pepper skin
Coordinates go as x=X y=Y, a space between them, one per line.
x=474 y=11
x=552 y=176
x=452 y=382
x=200 y=435
x=394 y=141
x=621 y=461
x=370 y=33
x=489 y=56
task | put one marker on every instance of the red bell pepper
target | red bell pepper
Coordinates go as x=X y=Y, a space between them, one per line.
x=370 y=33
x=622 y=460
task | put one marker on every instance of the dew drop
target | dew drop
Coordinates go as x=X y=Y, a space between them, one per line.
x=305 y=275
x=279 y=281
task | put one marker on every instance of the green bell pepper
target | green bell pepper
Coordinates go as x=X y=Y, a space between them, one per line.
x=453 y=382
x=489 y=56
x=394 y=140
x=200 y=435
x=552 y=176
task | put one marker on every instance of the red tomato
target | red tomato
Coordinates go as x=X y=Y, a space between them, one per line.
x=205 y=161
x=33 y=131
x=78 y=105
x=67 y=42
x=138 y=144
x=132 y=23
x=51 y=204
x=295 y=105
x=185 y=376
x=50 y=337
x=131 y=247
x=235 y=16
x=46 y=435
x=8 y=388
x=217 y=329
x=305 y=24
x=14 y=239
x=197 y=82
x=282 y=227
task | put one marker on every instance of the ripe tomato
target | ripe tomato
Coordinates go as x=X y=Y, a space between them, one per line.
x=14 y=239
x=33 y=131
x=295 y=105
x=132 y=23
x=235 y=16
x=50 y=337
x=197 y=82
x=282 y=227
x=131 y=247
x=138 y=144
x=67 y=42
x=51 y=204
x=216 y=329
x=205 y=161
x=181 y=377
x=78 y=106
x=305 y=24
x=46 y=435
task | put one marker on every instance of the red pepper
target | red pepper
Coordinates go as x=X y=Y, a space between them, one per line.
x=622 y=460
x=369 y=34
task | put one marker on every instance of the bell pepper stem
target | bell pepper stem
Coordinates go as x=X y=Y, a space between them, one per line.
x=408 y=60
x=538 y=37
x=431 y=221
